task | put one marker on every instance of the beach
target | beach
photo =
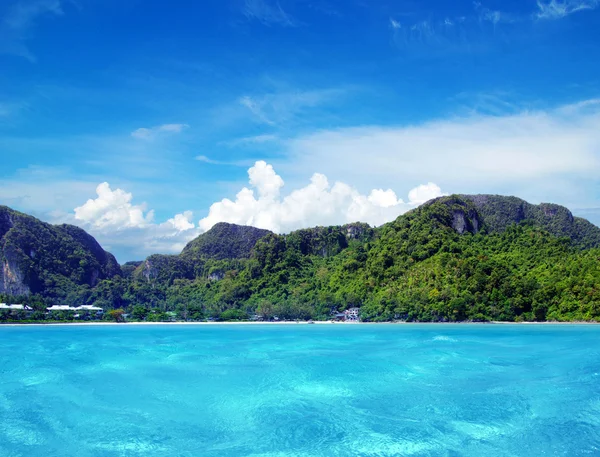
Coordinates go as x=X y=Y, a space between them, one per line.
x=286 y=323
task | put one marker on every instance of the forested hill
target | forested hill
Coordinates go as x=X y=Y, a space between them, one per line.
x=43 y=258
x=455 y=258
x=500 y=212
x=224 y=241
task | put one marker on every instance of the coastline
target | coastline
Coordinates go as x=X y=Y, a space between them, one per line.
x=287 y=323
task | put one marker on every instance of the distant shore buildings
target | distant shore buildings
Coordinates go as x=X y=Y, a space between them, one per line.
x=79 y=311
x=349 y=315
x=15 y=307
x=16 y=310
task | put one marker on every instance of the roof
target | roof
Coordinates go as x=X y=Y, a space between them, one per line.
x=15 y=307
x=61 y=308
x=72 y=308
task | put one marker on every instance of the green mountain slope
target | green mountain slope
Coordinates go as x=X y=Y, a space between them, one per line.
x=50 y=259
x=224 y=241
x=499 y=212
x=455 y=258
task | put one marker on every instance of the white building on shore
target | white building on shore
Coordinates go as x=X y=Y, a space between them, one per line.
x=15 y=307
x=79 y=310
x=352 y=315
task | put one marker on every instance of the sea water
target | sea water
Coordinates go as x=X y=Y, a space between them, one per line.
x=300 y=390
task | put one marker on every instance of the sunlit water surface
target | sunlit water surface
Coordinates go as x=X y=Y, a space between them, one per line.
x=300 y=390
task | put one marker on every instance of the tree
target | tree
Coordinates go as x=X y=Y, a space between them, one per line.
x=234 y=315
x=116 y=315
x=139 y=312
x=265 y=309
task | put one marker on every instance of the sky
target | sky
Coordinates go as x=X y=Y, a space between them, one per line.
x=147 y=122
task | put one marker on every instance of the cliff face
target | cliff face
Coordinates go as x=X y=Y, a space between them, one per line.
x=35 y=255
x=498 y=212
x=12 y=280
x=164 y=268
x=495 y=213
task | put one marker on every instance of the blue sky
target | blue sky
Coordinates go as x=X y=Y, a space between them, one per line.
x=135 y=119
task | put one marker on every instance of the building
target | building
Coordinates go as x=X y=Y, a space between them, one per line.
x=15 y=307
x=339 y=316
x=78 y=310
x=352 y=315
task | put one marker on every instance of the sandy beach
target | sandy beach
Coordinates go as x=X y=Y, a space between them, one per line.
x=287 y=323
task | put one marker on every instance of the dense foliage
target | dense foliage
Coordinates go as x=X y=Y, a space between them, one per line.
x=49 y=259
x=453 y=259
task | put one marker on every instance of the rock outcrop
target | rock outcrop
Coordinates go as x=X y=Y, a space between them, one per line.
x=35 y=255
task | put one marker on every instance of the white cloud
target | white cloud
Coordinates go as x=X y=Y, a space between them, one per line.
x=317 y=203
x=424 y=193
x=557 y=9
x=494 y=16
x=208 y=160
x=395 y=24
x=121 y=225
x=182 y=222
x=280 y=106
x=265 y=180
x=152 y=133
x=230 y=163
x=113 y=210
x=251 y=140
x=256 y=108
x=524 y=151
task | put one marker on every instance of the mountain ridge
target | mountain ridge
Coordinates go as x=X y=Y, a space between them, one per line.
x=76 y=255
x=458 y=257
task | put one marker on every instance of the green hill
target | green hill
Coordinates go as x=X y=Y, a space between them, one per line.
x=454 y=258
x=499 y=212
x=50 y=259
x=224 y=241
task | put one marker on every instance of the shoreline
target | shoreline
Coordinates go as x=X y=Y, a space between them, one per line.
x=127 y=324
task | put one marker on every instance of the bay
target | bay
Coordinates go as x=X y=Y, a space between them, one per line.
x=300 y=390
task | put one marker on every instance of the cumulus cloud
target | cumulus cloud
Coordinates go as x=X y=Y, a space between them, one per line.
x=152 y=133
x=122 y=225
x=119 y=224
x=424 y=193
x=182 y=222
x=318 y=203
x=113 y=209
x=551 y=155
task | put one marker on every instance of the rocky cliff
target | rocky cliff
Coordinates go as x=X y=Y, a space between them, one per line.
x=35 y=255
x=497 y=212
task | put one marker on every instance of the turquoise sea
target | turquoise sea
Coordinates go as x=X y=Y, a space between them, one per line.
x=300 y=390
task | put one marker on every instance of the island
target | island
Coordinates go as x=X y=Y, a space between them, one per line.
x=457 y=258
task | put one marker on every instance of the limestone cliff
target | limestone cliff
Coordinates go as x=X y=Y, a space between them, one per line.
x=35 y=256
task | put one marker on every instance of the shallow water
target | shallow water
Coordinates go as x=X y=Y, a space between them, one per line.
x=306 y=390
